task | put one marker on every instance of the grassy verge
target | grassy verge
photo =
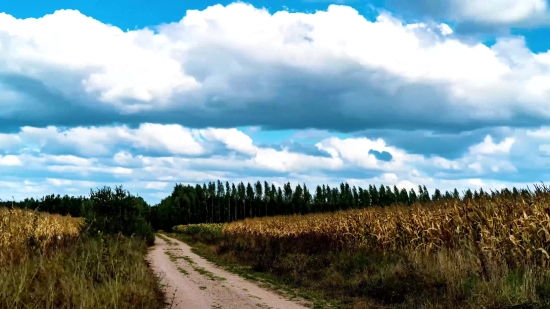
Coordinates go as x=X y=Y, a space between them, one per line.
x=449 y=279
x=209 y=249
x=108 y=272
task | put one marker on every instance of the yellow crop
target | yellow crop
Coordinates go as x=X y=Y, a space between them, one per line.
x=19 y=228
x=510 y=227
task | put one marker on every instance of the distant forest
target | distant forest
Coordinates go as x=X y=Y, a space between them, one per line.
x=216 y=202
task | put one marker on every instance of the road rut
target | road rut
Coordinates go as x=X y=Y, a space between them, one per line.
x=195 y=283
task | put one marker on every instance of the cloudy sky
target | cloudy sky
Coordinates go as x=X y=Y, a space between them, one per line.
x=150 y=93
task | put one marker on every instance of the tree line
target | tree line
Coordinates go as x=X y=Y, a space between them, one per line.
x=218 y=202
x=106 y=211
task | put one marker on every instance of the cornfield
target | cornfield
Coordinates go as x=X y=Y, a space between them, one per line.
x=513 y=228
x=21 y=228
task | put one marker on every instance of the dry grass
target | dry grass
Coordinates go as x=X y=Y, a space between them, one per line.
x=513 y=229
x=45 y=262
x=21 y=229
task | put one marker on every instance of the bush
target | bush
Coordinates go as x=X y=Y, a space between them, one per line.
x=117 y=211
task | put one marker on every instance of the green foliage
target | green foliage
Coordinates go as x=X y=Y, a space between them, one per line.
x=204 y=232
x=117 y=211
x=54 y=204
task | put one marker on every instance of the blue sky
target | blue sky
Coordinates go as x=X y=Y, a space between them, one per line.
x=147 y=94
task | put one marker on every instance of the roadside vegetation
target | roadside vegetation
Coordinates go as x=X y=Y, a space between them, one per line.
x=94 y=261
x=487 y=251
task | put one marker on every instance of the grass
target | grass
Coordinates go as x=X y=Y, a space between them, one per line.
x=167 y=240
x=264 y=279
x=400 y=279
x=183 y=271
x=107 y=272
x=192 y=263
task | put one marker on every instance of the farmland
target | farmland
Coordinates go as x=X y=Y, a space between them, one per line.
x=486 y=251
x=344 y=248
x=20 y=229
x=54 y=261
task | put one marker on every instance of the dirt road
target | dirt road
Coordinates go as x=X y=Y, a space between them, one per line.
x=198 y=284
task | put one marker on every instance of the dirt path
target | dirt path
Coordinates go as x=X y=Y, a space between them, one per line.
x=198 y=284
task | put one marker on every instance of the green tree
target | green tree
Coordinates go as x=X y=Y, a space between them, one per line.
x=117 y=211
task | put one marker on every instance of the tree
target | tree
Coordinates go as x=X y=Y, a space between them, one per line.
x=374 y=195
x=235 y=198
x=242 y=197
x=259 y=196
x=228 y=196
x=437 y=195
x=117 y=211
x=288 y=199
x=426 y=194
x=274 y=203
x=297 y=200
x=413 y=198
x=456 y=195
x=267 y=191
x=468 y=195
x=383 y=196
x=249 y=198
x=404 y=197
x=280 y=201
x=220 y=196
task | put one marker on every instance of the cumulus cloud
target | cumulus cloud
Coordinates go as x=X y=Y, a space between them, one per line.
x=85 y=104
x=98 y=141
x=237 y=65
x=489 y=147
x=352 y=159
x=473 y=15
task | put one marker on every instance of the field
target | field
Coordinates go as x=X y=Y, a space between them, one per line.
x=487 y=252
x=47 y=262
x=20 y=229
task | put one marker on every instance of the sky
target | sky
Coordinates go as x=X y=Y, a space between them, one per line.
x=147 y=94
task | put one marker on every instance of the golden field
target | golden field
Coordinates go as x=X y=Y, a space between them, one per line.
x=513 y=228
x=487 y=251
x=21 y=228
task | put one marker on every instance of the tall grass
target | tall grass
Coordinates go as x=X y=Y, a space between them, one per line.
x=45 y=262
x=106 y=272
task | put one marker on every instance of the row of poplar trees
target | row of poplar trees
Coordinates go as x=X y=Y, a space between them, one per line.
x=217 y=202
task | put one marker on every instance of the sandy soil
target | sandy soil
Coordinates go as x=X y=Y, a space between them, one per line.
x=195 y=283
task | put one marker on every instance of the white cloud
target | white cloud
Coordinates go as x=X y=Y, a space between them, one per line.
x=356 y=150
x=499 y=11
x=232 y=138
x=10 y=160
x=232 y=66
x=540 y=133
x=174 y=138
x=348 y=157
x=239 y=56
x=285 y=161
x=100 y=140
x=7 y=141
x=125 y=66
x=489 y=147
x=444 y=163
